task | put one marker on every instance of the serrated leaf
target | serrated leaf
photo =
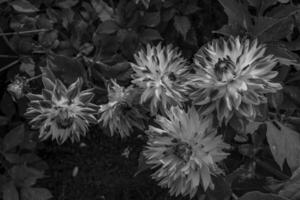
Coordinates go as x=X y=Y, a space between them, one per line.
x=261 y=196
x=148 y=35
x=284 y=144
x=13 y=138
x=182 y=24
x=150 y=19
x=35 y=194
x=23 y=6
x=10 y=191
x=108 y=27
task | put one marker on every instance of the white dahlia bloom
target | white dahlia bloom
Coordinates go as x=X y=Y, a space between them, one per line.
x=232 y=76
x=60 y=112
x=161 y=73
x=185 y=150
x=119 y=114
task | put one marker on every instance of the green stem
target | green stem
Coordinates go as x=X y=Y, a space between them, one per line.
x=9 y=65
x=25 y=32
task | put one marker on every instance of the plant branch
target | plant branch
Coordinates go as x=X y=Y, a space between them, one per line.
x=9 y=65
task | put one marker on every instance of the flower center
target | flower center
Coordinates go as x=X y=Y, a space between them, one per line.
x=183 y=151
x=63 y=119
x=224 y=69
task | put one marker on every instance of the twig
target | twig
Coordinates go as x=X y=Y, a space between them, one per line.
x=25 y=32
x=9 y=65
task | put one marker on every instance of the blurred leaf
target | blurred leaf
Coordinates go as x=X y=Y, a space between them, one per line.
x=66 y=3
x=148 y=35
x=182 y=24
x=104 y=11
x=10 y=191
x=167 y=15
x=108 y=27
x=3 y=120
x=150 y=19
x=13 y=138
x=30 y=193
x=261 y=196
x=23 y=6
x=291 y=189
x=24 y=176
x=7 y=105
x=284 y=144
x=293 y=92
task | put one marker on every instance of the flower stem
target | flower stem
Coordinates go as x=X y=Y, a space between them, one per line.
x=9 y=65
x=25 y=32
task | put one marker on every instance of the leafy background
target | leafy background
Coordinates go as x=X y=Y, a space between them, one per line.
x=96 y=40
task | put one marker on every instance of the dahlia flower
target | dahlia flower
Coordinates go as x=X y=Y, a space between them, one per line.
x=61 y=112
x=233 y=76
x=119 y=114
x=185 y=150
x=160 y=72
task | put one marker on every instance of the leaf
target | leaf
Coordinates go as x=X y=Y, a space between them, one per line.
x=182 y=24
x=150 y=19
x=148 y=35
x=291 y=189
x=276 y=30
x=236 y=12
x=142 y=165
x=35 y=194
x=284 y=55
x=10 y=191
x=283 y=11
x=103 y=11
x=66 y=69
x=222 y=189
x=262 y=5
x=28 y=66
x=66 y=3
x=23 y=6
x=7 y=105
x=108 y=27
x=24 y=176
x=261 y=196
x=231 y=29
x=13 y=138
x=293 y=92
x=284 y=144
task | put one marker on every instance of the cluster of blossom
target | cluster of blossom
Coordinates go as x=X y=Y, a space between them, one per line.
x=228 y=77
